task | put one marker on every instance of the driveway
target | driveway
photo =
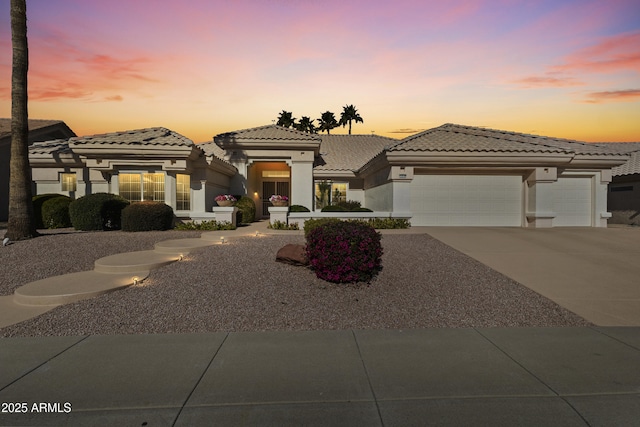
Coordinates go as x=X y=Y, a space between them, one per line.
x=593 y=272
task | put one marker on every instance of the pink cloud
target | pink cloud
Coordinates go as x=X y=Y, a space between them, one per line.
x=627 y=95
x=548 y=80
x=617 y=53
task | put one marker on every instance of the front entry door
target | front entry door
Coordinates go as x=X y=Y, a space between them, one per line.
x=269 y=188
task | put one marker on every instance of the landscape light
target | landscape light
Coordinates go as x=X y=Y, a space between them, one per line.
x=221 y=239
x=135 y=280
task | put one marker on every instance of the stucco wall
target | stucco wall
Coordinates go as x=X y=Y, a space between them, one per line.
x=379 y=198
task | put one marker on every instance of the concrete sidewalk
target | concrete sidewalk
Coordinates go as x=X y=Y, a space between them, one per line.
x=444 y=377
x=594 y=272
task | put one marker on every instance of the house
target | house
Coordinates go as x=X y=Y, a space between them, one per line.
x=624 y=190
x=450 y=175
x=39 y=130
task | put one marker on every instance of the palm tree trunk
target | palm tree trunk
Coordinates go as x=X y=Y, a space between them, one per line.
x=21 y=223
x=349 y=127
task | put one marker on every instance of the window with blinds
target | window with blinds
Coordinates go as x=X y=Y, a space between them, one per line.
x=137 y=187
x=183 y=192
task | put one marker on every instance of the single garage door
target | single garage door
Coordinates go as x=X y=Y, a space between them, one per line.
x=467 y=200
x=572 y=202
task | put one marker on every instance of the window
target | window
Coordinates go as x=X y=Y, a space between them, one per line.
x=68 y=181
x=136 y=187
x=625 y=188
x=276 y=174
x=330 y=193
x=183 y=192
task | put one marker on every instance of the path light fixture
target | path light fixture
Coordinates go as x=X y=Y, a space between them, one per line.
x=5 y=242
x=135 y=280
x=257 y=233
x=181 y=257
x=221 y=239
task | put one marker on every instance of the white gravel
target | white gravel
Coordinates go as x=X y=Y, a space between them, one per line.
x=239 y=287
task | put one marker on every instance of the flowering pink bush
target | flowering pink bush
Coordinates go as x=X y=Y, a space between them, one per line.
x=278 y=198
x=344 y=251
x=224 y=197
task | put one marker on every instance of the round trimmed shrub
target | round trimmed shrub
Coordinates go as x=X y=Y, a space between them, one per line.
x=247 y=206
x=333 y=208
x=147 y=216
x=344 y=251
x=350 y=205
x=298 y=208
x=37 y=202
x=99 y=211
x=55 y=212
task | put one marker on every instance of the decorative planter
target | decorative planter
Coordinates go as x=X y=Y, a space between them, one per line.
x=280 y=203
x=225 y=203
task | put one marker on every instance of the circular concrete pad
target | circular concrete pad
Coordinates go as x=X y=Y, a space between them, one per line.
x=134 y=261
x=73 y=287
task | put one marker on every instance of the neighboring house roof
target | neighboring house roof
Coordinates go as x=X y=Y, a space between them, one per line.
x=39 y=130
x=349 y=152
x=149 y=136
x=457 y=138
x=269 y=133
x=632 y=149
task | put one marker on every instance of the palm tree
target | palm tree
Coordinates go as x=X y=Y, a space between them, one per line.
x=286 y=119
x=306 y=125
x=349 y=114
x=327 y=122
x=21 y=223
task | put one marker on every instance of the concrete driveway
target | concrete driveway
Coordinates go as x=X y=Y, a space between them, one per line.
x=593 y=272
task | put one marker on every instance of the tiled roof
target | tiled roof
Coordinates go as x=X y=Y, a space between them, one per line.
x=148 y=136
x=350 y=152
x=211 y=149
x=5 y=125
x=621 y=147
x=632 y=166
x=59 y=146
x=265 y=134
x=451 y=137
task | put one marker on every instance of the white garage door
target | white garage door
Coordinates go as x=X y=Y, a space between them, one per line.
x=471 y=200
x=572 y=202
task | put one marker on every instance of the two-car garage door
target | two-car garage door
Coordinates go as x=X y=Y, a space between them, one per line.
x=468 y=200
x=493 y=200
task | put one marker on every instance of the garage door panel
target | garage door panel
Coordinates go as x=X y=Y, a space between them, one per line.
x=472 y=200
x=572 y=202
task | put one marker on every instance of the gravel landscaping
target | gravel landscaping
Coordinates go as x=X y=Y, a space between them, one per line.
x=238 y=286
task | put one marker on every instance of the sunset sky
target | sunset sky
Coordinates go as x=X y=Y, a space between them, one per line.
x=560 y=68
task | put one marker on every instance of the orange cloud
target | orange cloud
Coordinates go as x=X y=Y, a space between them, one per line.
x=114 y=98
x=628 y=95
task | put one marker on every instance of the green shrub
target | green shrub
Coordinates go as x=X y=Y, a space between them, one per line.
x=206 y=226
x=333 y=208
x=312 y=224
x=147 y=216
x=344 y=251
x=281 y=225
x=247 y=206
x=99 y=211
x=37 y=202
x=349 y=205
x=55 y=212
x=359 y=209
x=381 y=223
x=298 y=208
